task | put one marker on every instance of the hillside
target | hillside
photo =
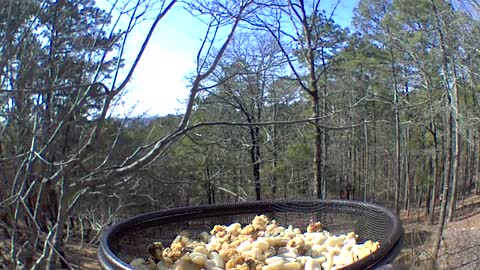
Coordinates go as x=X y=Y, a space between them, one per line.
x=460 y=248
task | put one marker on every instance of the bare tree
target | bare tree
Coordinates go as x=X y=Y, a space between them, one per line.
x=245 y=79
x=450 y=84
x=298 y=28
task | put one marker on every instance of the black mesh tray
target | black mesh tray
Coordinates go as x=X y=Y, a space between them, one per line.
x=130 y=239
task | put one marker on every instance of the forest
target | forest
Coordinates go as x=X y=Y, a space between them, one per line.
x=284 y=103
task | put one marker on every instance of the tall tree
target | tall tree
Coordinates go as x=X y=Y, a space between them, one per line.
x=450 y=84
x=307 y=36
x=373 y=18
x=245 y=77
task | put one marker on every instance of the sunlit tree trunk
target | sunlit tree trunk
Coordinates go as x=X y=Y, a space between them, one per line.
x=455 y=142
x=436 y=178
x=397 y=135
x=452 y=131
x=408 y=178
x=437 y=237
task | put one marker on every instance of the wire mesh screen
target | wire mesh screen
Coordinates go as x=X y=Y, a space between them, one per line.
x=130 y=239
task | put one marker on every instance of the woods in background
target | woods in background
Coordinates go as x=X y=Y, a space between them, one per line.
x=286 y=104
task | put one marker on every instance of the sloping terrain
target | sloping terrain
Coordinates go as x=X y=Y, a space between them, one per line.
x=460 y=247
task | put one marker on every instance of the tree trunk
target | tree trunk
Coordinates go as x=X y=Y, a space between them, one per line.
x=365 y=162
x=409 y=178
x=354 y=171
x=398 y=166
x=350 y=185
x=435 y=173
x=427 y=200
x=317 y=152
x=437 y=237
x=468 y=164
x=237 y=179
x=451 y=138
x=324 y=137
x=209 y=185
x=274 y=175
x=408 y=186
x=455 y=143
x=57 y=241
x=373 y=189
x=476 y=179
x=255 y=158
x=274 y=153
x=469 y=180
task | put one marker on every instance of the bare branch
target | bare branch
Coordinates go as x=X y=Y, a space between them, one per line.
x=144 y=46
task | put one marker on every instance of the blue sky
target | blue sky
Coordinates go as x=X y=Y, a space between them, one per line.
x=158 y=86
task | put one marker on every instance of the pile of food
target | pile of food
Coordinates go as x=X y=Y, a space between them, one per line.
x=261 y=245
